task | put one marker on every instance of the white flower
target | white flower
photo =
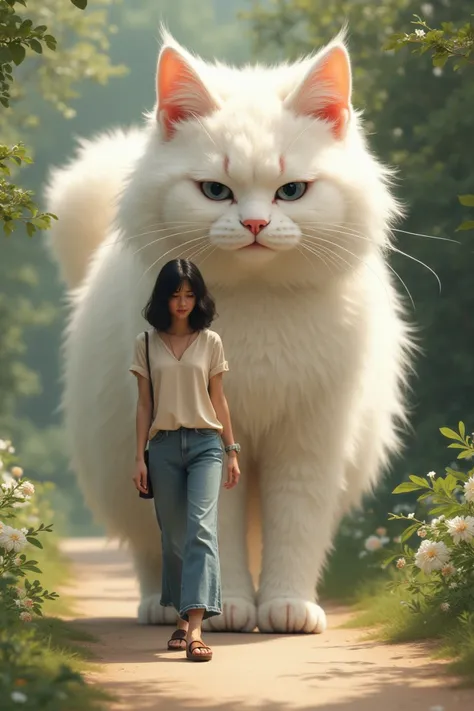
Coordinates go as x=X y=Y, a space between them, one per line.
x=28 y=603
x=20 y=592
x=454 y=585
x=11 y=450
x=26 y=616
x=444 y=607
x=4 y=444
x=431 y=475
x=12 y=539
x=461 y=528
x=420 y=33
x=18 y=697
x=411 y=515
x=422 y=532
x=469 y=489
x=427 y=9
x=18 y=603
x=448 y=570
x=401 y=563
x=431 y=555
x=438 y=71
x=18 y=561
x=27 y=488
x=17 y=472
x=397 y=132
x=373 y=543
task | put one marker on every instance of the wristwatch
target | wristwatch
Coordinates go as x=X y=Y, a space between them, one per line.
x=232 y=448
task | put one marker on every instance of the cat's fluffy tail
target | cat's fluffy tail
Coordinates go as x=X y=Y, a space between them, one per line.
x=83 y=195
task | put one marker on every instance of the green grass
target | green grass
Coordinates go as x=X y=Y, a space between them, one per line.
x=380 y=610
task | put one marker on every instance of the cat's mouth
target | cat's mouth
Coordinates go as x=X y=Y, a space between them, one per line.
x=255 y=245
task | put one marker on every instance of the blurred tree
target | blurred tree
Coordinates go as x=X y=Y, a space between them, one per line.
x=53 y=73
x=419 y=119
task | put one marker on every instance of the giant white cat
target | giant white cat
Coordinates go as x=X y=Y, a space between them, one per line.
x=263 y=177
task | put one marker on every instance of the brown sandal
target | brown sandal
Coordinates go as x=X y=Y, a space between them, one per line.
x=177 y=635
x=198 y=644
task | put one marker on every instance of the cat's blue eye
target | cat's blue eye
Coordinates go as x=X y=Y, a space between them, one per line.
x=216 y=191
x=291 y=191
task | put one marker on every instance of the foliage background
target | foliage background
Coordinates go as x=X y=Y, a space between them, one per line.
x=418 y=118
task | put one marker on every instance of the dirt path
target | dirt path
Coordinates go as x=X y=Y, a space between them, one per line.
x=335 y=671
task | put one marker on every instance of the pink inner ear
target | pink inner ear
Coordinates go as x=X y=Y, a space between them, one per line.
x=326 y=91
x=181 y=94
x=335 y=73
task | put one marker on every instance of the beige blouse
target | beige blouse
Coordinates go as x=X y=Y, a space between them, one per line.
x=180 y=387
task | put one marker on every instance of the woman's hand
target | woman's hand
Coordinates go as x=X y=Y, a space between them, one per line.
x=140 y=476
x=233 y=471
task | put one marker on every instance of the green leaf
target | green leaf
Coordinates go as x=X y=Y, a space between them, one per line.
x=456 y=445
x=450 y=434
x=36 y=46
x=466 y=200
x=405 y=487
x=422 y=483
x=34 y=541
x=461 y=427
x=408 y=532
x=81 y=4
x=467 y=454
x=468 y=225
x=5 y=55
x=17 y=52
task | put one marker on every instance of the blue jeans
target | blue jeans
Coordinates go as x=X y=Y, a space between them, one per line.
x=185 y=467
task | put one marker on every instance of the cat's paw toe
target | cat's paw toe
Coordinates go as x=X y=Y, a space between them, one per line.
x=238 y=615
x=150 y=612
x=290 y=615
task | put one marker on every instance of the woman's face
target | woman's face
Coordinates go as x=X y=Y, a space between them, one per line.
x=182 y=302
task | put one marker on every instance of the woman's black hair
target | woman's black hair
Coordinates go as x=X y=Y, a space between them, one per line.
x=169 y=280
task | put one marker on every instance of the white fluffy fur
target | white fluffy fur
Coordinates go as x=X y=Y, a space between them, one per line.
x=316 y=345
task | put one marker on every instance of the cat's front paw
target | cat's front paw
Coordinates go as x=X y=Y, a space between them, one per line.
x=238 y=615
x=290 y=615
x=150 y=612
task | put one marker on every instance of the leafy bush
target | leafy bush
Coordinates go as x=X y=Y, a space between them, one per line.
x=438 y=573
x=33 y=674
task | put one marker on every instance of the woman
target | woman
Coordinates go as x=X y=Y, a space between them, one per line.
x=190 y=417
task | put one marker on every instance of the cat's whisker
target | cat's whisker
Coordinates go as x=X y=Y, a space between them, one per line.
x=169 y=226
x=317 y=253
x=162 y=256
x=339 y=246
x=200 y=247
x=320 y=249
x=318 y=223
x=418 y=261
x=419 y=234
x=390 y=247
x=160 y=239
x=208 y=255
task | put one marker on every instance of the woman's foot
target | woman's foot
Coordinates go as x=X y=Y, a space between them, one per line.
x=197 y=651
x=178 y=638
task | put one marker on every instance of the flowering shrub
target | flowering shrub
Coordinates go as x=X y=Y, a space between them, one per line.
x=438 y=573
x=29 y=676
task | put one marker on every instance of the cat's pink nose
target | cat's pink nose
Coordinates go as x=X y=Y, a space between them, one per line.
x=255 y=226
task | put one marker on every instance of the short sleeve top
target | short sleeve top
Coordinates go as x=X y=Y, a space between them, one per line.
x=181 y=387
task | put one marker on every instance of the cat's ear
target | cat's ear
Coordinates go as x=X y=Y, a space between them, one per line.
x=181 y=93
x=325 y=91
